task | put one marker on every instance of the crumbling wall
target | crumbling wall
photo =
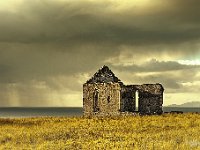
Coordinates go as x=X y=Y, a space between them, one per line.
x=101 y=98
x=150 y=98
x=127 y=99
x=104 y=75
x=104 y=93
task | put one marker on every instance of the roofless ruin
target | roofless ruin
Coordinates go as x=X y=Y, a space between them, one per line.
x=105 y=94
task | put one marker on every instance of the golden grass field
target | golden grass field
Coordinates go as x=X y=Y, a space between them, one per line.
x=168 y=132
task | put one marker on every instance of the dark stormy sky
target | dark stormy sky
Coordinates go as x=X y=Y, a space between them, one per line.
x=49 y=48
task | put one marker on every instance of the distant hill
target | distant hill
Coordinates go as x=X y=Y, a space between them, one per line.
x=188 y=104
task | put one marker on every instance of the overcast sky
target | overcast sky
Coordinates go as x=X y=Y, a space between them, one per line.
x=49 y=48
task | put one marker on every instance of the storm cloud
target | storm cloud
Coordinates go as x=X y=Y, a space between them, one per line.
x=49 y=48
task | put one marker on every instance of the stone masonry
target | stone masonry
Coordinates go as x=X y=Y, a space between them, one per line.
x=105 y=94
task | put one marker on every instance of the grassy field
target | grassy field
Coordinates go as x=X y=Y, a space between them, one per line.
x=170 y=132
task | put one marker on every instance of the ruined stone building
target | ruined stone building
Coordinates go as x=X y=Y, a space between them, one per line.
x=105 y=94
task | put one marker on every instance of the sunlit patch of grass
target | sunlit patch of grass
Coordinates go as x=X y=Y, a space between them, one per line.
x=168 y=131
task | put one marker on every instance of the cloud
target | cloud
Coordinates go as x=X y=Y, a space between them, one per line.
x=155 y=66
x=172 y=75
x=101 y=22
x=52 y=91
x=61 y=43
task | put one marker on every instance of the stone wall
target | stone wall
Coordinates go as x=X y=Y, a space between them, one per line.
x=104 y=75
x=150 y=98
x=101 y=98
x=127 y=99
x=104 y=93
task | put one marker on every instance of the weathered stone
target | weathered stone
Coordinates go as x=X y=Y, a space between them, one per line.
x=104 y=75
x=101 y=98
x=105 y=94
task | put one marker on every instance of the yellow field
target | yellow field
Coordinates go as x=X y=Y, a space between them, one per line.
x=168 y=132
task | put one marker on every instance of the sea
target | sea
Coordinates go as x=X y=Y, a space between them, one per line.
x=24 y=112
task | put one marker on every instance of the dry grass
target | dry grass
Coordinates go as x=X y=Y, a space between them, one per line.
x=170 y=132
